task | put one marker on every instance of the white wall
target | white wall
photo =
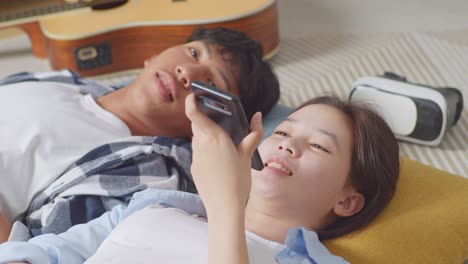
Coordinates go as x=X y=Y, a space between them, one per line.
x=305 y=17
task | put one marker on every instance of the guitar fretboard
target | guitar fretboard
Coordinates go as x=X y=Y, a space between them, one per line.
x=11 y=10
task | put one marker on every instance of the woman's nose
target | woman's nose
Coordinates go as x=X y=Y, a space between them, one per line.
x=289 y=148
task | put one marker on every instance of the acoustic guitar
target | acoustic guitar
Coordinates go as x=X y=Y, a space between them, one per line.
x=120 y=35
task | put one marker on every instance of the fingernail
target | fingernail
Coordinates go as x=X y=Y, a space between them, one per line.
x=259 y=118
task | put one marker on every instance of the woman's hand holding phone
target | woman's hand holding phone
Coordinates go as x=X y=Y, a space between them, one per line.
x=220 y=170
x=225 y=109
x=222 y=175
x=224 y=150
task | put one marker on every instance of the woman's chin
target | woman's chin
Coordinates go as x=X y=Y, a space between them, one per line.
x=266 y=189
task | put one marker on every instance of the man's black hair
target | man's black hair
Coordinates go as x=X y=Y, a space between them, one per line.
x=257 y=83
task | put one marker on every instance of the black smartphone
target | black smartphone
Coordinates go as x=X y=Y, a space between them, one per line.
x=226 y=110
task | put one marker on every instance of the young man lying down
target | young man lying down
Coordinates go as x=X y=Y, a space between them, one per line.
x=65 y=122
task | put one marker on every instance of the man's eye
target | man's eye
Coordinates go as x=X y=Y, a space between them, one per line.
x=317 y=146
x=194 y=53
x=281 y=133
x=211 y=83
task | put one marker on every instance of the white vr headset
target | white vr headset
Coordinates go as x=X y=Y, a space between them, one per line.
x=416 y=113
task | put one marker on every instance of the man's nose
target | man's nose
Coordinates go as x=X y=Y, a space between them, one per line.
x=186 y=73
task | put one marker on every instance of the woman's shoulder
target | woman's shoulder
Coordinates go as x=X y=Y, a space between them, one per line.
x=188 y=202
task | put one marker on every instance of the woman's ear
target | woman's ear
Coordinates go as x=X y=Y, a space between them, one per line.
x=350 y=204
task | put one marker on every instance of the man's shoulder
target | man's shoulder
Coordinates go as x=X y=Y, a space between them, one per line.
x=64 y=77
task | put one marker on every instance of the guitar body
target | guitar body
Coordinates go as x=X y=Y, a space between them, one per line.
x=93 y=42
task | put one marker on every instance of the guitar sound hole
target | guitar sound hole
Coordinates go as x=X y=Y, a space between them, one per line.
x=110 y=5
x=177 y=1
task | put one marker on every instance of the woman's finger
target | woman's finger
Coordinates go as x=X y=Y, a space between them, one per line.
x=202 y=122
x=251 y=141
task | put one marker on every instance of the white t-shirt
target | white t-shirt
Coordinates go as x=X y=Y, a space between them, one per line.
x=170 y=235
x=44 y=128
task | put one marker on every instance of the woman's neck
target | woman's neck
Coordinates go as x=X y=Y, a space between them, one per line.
x=268 y=220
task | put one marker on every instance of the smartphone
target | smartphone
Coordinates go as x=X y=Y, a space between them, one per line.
x=226 y=110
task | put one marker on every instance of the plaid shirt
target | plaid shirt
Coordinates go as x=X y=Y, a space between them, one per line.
x=108 y=175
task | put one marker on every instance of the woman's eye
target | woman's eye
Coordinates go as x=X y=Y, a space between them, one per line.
x=281 y=133
x=317 y=146
x=194 y=53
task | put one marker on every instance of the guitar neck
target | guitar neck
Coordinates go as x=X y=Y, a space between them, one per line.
x=137 y=29
x=15 y=12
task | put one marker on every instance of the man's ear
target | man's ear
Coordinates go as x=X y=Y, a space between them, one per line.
x=150 y=59
x=351 y=203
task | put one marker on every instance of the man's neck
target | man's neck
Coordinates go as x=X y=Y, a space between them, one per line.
x=118 y=103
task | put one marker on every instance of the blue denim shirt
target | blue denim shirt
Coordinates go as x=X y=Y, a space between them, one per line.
x=81 y=241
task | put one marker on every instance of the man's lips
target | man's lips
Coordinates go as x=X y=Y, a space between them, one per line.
x=278 y=165
x=166 y=85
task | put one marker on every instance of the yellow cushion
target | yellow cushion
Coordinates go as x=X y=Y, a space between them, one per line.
x=426 y=222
